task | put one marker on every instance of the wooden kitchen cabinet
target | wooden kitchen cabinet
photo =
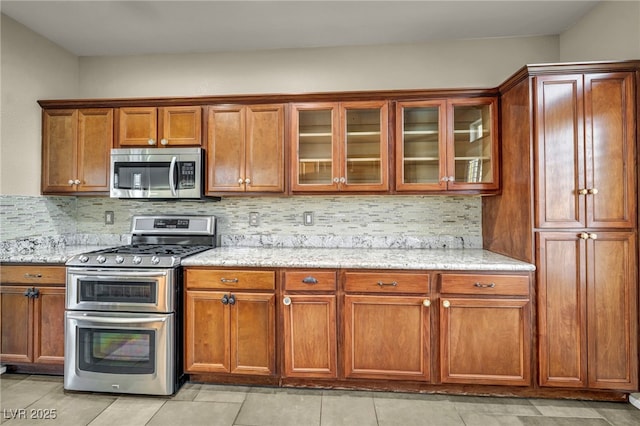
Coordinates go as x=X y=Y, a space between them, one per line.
x=485 y=329
x=76 y=149
x=245 y=149
x=341 y=146
x=32 y=317
x=387 y=333
x=447 y=145
x=587 y=309
x=309 y=324
x=585 y=155
x=230 y=322
x=151 y=127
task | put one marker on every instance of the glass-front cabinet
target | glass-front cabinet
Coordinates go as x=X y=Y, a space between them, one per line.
x=340 y=147
x=446 y=145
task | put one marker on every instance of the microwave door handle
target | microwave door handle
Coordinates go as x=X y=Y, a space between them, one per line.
x=172 y=171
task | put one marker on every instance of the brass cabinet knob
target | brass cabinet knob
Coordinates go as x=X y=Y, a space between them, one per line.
x=593 y=236
x=593 y=191
x=70 y=182
x=240 y=181
x=583 y=236
x=583 y=191
x=247 y=181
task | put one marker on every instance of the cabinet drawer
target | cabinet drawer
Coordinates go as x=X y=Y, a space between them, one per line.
x=510 y=285
x=386 y=282
x=33 y=274
x=230 y=279
x=310 y=280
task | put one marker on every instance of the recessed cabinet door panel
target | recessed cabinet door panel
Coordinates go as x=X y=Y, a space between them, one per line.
x=310 y=336
x=138 y=125
x=562 y=313
x=265 y=148
x=225 y=149
x=48 y=345
x=386 y=337
x=485 y=341
x=559 y=152
x=610 y=155
x=612 y=294
x=181 y=126
x=207 y=343
x=59 y=150
x=95 y=140
x=253 y=333
x=16 y=325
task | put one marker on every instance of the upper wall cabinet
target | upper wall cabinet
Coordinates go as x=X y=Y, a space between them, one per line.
x=586 y=150
x=339 y=147
x=76 y=146
x=151 y=127
x=447 y=145
x=245 y=149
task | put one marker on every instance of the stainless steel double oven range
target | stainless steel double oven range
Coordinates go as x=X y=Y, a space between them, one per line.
x=123 y=319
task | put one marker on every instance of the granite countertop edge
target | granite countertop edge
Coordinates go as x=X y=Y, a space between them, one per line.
x=344 y=258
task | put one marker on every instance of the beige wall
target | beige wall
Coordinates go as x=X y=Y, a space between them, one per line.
x=32 y=68
x=611 y=31
x=446 y=64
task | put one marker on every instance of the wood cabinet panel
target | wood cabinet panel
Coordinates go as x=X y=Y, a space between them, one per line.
x=386 y=282
x=95 y=140
x=59 y=150
x=265 y=161
x=48 y=332
x=610 y=135
x=310 y=280
x=33 y=274
x=230 y=279
x=16 y=325
x=386 y=337
x=225 y=148
x=472 y=330
x=508 y=285
x=181 y=126
x=310 y=336
x=137 y=126
x=253 y=334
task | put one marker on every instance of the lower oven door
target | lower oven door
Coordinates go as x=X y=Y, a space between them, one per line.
x=120 y=352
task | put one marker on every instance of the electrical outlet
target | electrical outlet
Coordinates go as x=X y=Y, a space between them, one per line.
x=307 y=218
x=109 y=217
x=253 y=219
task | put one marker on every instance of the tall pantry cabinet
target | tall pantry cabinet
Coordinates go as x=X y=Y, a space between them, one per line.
x=569 y=204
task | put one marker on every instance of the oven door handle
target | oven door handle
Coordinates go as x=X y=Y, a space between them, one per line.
x=172 y=171
x=120 y=274
x=111 y=320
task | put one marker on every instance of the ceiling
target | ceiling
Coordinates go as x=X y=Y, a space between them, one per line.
x=99 y=28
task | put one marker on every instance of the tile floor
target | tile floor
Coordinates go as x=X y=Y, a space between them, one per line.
x=202 y=404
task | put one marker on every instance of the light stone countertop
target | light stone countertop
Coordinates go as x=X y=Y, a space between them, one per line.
x=49 y=255
x=358 y=258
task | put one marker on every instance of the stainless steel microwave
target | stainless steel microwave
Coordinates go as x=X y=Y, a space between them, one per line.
x=164 y=173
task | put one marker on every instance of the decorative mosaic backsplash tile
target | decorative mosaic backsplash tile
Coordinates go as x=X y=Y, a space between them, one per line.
x=338 y=221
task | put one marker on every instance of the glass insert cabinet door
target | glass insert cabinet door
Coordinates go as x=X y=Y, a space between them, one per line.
x=445 y=145
x=340 y=146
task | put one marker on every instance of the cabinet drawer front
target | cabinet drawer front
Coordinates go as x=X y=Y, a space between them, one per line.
x=387 y=282
x=310 y=280
x=230 y=279
x=510 y=285
x=33 y=274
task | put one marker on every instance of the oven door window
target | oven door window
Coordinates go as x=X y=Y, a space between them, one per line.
x=118 y=292
x=117 y=351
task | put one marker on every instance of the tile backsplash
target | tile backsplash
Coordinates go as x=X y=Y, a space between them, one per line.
x=338 y=221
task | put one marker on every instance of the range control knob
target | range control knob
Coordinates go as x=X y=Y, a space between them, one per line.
x=119 y=259
x=83 y=258
x=155 y=260
x=101 y=259
x=136 y=260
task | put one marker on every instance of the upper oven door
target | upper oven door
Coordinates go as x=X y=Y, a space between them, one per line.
x=122 y=290
x=156 y=173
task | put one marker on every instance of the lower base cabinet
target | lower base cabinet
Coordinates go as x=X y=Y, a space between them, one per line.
x=230 y=331
x=32 y=302
x=485 y=330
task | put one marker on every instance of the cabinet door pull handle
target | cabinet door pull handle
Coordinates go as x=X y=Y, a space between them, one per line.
x=393 y=283
x=286 y=301
x=228 y=280
x=232 y=299
x=583 y=191
x=593 y=191
x=27 y=275
x=310 y=280
x=225 y=300
x=481 y=285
